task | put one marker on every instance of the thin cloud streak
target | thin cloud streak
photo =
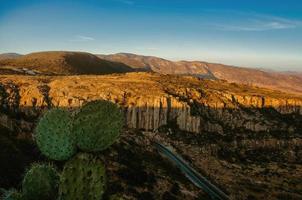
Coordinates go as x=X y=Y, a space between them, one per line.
x=254 y=22
x=265 y=26
x=81 y=38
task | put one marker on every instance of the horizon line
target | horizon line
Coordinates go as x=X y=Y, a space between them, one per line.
x=166 y=58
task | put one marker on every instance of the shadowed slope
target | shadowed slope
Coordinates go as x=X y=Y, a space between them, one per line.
x=65 y=63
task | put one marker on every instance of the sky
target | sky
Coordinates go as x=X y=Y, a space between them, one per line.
x=249 y=33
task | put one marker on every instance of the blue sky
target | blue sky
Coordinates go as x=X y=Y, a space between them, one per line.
x=253 y=33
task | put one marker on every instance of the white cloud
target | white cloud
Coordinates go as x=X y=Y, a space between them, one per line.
x=81 y=38
x=254 y=22
x=265 y=26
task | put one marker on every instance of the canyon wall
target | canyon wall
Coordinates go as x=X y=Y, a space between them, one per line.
x=151 y=101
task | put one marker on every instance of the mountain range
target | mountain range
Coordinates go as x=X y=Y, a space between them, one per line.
x=285 y=81
x=62 y=63
x=71 y=63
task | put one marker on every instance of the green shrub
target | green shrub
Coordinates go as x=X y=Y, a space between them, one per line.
x=53 y=135
x=97 y=125
x=83 y=177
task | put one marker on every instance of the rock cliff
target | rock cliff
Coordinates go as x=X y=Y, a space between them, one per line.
x=236 y=135
x=151 y=101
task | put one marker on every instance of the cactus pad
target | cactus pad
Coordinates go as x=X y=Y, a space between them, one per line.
x=40 y=182
x=97 y=125
x=83 y=177
x=12 y=194
x=53 y=135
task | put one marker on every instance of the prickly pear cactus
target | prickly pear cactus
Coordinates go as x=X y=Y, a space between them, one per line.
x=83 y=177
x=40 y=182
x=97 y=125
x=12 y=194
x=53 y=135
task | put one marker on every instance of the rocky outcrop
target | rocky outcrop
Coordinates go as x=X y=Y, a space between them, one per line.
x=151 y=101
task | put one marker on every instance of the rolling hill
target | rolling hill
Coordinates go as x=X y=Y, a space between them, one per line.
x=4 y=56
x=288 y=82
x=74 y=63
x=160 y=65
x=63 y=63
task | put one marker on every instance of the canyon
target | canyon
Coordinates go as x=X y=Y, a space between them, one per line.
x=232 y=133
